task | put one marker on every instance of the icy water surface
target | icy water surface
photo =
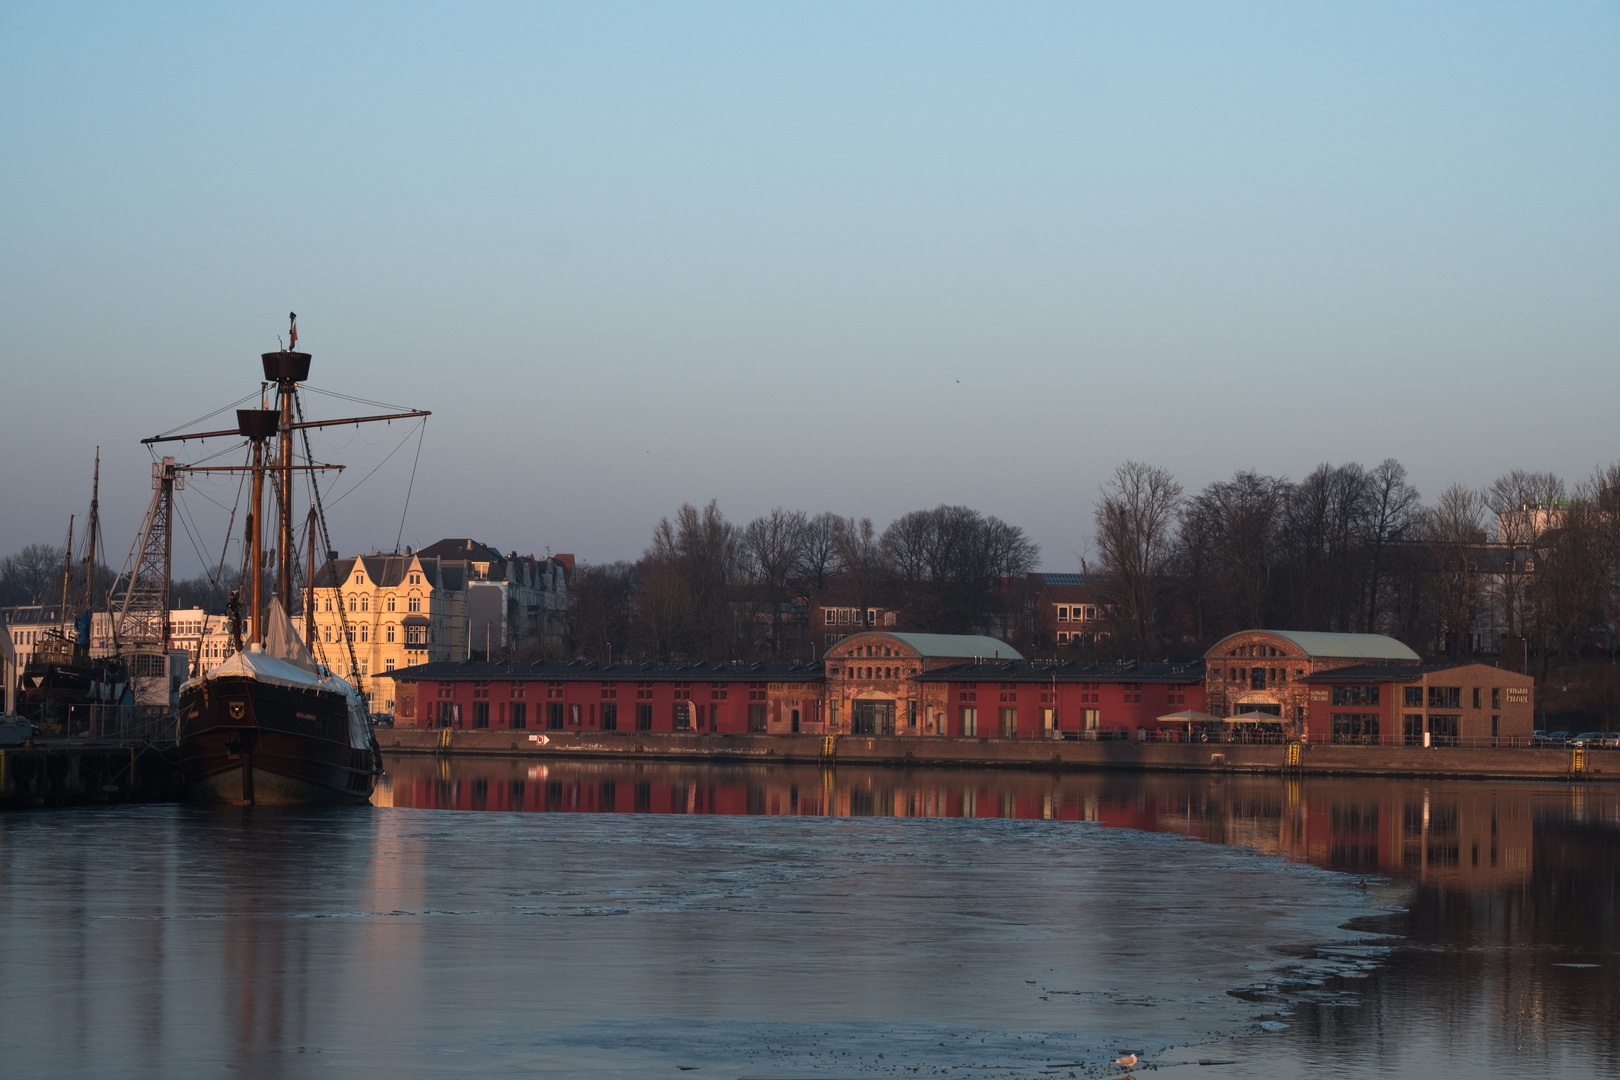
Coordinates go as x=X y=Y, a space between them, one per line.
x=730 y=922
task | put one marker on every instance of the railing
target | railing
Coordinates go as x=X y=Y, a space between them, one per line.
x=104 y=722
x=1241 y=736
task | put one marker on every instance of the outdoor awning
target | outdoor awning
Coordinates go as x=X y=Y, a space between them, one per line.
x=1187 y=716
x=1253 y=718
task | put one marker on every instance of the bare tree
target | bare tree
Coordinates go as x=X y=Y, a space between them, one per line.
x=1394 y=506
x=1453 y=533
x=692 y=563
x=774 y=545
x=1134 y=519
x=601 y=610
x=33 y=575
x=820 y=561
x=1522 y=502
x=860 y=558
x=1604 y=488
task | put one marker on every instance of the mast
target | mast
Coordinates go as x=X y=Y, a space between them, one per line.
x=286 y=368
x=257 y=425
x=67 y=574
x=90 y=547
x=285 y=385
x=256 y=544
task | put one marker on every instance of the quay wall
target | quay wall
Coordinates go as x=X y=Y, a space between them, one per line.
x=1482 y=762
x=69 y=774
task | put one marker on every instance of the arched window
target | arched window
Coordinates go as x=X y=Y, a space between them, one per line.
x=328 y=603
x=362 y=631
x=365 y=603
x=390 y=601
x=390 y=633
x=415 y=603
x=351 y=603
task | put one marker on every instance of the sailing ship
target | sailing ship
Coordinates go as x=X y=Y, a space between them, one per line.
x=62 y=684
x=274 y=724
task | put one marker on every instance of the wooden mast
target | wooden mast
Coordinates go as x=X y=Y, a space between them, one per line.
x=285 y=383
x=67 y=574
x=90 y=549
x=255 y=545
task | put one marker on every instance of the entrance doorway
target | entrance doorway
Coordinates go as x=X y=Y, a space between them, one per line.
x=872 y=718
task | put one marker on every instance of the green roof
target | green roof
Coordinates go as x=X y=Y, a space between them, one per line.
x=963 y=646
x=1335 y=646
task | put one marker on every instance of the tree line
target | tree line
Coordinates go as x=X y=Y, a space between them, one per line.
x=706 y=587
x=34 y=576
x=1528 y=562
x=1527 y=567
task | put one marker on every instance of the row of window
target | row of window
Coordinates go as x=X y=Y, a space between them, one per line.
x=360 y=579
x=609 y=691
x=560 y=716
x=968 y=721
x=363 y=603
x=1076 y=612
x=1077 y=637
x=843 y=616
x=415 y=636
x=1439 y=697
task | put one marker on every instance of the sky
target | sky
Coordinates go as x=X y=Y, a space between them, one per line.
x=865 y=258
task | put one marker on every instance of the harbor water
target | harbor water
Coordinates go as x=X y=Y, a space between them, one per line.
x=502 y=917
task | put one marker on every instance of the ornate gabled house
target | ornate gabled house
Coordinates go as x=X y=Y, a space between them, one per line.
x=396 y=610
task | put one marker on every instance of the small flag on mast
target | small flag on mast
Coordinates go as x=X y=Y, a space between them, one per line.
x=292 y=321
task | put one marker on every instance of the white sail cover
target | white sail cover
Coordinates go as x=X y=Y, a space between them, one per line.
x=283 y=661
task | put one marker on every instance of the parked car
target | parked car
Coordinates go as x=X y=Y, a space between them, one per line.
x=1559 y=738
x=1596 y=739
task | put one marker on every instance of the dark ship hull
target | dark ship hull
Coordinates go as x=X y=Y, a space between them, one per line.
x=242 y=740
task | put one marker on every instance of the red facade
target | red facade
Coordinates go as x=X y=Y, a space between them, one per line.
x=1113 y=706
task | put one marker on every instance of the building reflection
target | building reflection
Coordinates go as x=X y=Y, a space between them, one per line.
x=1465 y=834
x=1510 y=892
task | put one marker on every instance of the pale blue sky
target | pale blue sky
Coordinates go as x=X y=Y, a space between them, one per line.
x=863 y=258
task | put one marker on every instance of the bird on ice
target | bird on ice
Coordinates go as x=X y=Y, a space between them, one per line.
x=1128 y=1060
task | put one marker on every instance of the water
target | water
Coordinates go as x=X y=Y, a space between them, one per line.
x=651 y=920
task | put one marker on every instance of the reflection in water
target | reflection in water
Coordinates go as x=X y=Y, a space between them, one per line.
x=1467 y=834
x=797 y=922
x=1511 y=888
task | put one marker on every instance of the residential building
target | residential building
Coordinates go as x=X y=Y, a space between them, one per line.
x=375 y=614
x=1069 y=610
x=514 y=602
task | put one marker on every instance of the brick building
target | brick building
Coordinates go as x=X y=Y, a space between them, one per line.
x=1264 y=671
x=1069 y=610
x=872 y=680
x=1419 y=705
x=1037 y=699
x=585 y=696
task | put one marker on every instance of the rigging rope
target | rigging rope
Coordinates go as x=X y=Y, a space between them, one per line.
x=411 y=486
x=325 y=534
x=423 y=424
x=208 y=416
